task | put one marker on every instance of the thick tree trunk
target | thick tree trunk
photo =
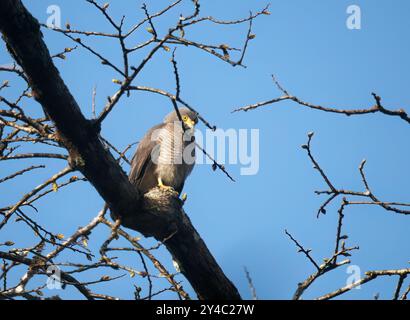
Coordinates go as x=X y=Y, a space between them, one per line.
x=156 y=214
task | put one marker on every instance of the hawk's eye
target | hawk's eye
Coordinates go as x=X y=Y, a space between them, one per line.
x=185 y=118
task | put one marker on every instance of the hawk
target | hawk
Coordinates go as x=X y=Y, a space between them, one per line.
x=166 y=154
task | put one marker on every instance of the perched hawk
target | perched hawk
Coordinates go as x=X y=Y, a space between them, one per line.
x=166 y=155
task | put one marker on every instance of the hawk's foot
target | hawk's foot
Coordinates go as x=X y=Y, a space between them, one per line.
x=164 y=187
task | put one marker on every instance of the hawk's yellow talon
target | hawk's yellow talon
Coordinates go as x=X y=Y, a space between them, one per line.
x=164 y=187
x=184 y=197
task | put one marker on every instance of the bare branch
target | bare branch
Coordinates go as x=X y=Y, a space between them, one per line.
x=377 y=108
x=370 y=275
x=18 y=173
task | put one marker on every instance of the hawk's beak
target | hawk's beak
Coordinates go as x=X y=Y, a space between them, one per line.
x=190 y=123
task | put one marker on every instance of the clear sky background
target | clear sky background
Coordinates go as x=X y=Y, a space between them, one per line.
x=307 y=46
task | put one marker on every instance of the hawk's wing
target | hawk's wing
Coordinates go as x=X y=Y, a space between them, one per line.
x=142 y=173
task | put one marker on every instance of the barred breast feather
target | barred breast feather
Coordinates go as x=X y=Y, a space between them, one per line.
x=173 y=165
x=160 y=154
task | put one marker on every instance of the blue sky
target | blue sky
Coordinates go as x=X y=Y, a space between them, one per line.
x=307 y=46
